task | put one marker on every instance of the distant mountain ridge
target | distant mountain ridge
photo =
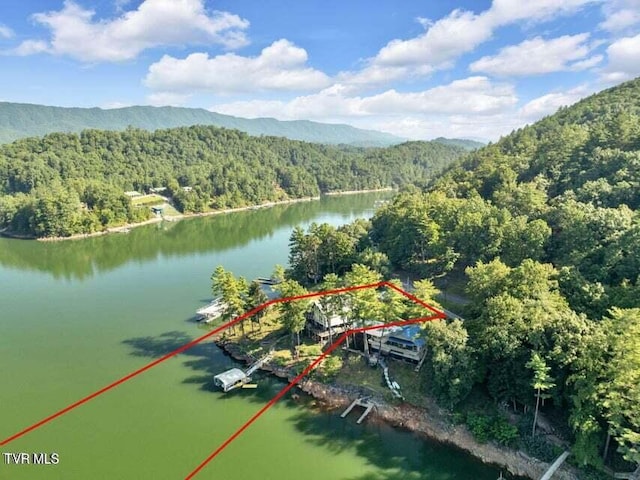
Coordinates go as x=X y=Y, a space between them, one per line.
x=20 y=120
x=465 y=143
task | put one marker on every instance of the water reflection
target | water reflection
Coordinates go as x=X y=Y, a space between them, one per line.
x=79 y=259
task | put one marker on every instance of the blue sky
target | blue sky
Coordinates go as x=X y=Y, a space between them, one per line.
x=419 y=69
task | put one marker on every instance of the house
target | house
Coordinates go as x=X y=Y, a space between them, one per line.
x=157 y=189
x=404 y=343
x=321 y=325
x=133 y=194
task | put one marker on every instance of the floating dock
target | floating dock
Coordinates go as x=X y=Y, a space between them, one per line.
x=363 y=402
x=234 y=377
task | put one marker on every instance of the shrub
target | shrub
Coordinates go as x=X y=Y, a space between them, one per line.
x=479 y=425
x=503 y=432
x=496 y=428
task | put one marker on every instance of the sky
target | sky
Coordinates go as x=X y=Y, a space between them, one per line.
x=417 y=69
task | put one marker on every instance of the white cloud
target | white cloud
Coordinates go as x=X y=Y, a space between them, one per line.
x=620 y=15
x=551 y=102
x=620 y=20
x=446 y=39
x=473 y=106
x=373 y=75
x=623 y=59
x=443 y=41
x=477 y=95
x=280 y=66
x=538 y=56
x=587 y=63
x=508 y=11
x=162 y=99
x=5 y=32
x=30 y=47
x=115 y=104
x=454 y=126
x=75 y=33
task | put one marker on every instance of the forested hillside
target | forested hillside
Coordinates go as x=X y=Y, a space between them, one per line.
x=67 y=183
x=544 y=229
x=460 y=142
x=20 y=120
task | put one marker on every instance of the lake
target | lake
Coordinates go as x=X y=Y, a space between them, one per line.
x=77 y=315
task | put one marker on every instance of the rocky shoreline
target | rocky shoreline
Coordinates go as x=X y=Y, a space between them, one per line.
x=415 y=419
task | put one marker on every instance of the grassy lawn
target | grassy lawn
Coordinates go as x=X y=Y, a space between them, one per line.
x=152 y=199
x=356 y=371
x=169 y=211
x=347 y=369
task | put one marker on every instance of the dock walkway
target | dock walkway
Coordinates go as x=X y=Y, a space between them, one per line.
x=360 y=402
x=555 y=465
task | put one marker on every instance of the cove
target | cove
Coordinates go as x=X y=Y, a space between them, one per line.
x=77 y=315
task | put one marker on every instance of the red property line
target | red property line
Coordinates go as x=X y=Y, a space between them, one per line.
x=437 y=315
x=174 y=353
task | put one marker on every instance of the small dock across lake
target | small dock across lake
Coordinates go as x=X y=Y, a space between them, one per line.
x=363 y=402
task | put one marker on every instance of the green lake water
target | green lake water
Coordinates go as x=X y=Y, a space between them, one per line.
x=77 y=315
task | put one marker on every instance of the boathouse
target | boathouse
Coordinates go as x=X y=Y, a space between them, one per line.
x=230 y=379
x=212 y=311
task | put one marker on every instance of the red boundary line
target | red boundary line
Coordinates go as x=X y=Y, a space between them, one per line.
x=437 y=315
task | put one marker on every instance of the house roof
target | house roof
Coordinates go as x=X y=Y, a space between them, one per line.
x=214 y=308
x=230 y=376
x=409 y=334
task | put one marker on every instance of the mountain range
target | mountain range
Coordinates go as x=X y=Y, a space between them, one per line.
x=20 y=120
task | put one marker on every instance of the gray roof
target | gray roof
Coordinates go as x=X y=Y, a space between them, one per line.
x=229 y=377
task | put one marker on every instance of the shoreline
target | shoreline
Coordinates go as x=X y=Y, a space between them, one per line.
x=174 y=218
x=414 y=419
x=355 y=192
x=169 y=218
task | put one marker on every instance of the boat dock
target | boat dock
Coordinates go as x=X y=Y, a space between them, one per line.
x=212 y=311
x=235 y=378
x=363 y=402
x=555 y=465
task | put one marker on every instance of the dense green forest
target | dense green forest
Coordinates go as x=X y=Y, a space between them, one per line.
x=64 y=184
x=543 y=228
x=20 y=120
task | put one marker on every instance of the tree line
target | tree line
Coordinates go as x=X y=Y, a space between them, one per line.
x=544 y=231
x=63 y=184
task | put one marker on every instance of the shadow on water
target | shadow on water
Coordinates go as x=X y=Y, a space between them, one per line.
x=80 y=259
x=396 y=454
x=206 y=359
